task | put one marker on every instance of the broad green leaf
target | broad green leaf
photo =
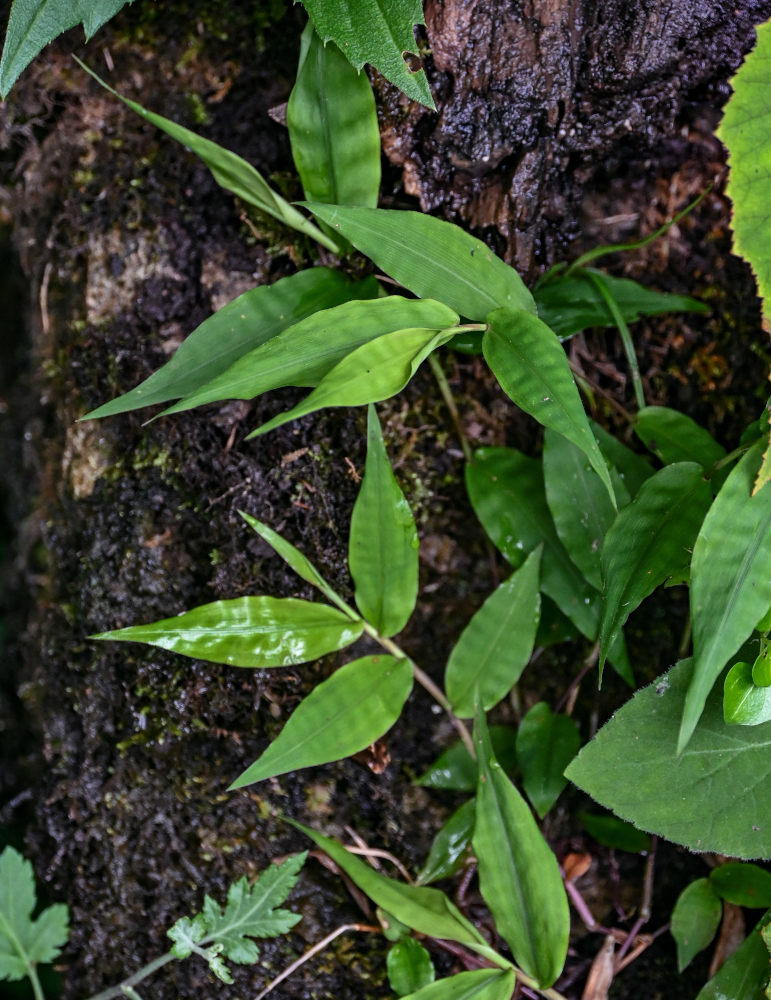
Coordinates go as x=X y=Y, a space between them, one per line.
x=24 y=942
x=369 y=374
x=745 y=974
x=518 y=874
x=497 y=643
x=695 y=920
x=341 y=716
x=744 y=702
x=433 y=258
x=249 y=632
x=632 y=468
x=571 y=302
x=742 y=884
x=711 y=797
x=730 y=580
x=229 y=170
x=427 y=911
x=614 y=832
x=529 y=362
x=451 y=845
x=578 y=502
x=746 y=131
x=675 y=437
x=377 y=33
x=455 y=769
x=546 y=744
x=305 y=352
x=383 y=549
x=481 y=984
x=409 y=967
x=651 y=541
x=333 y=127
x=34 y=23
x=242 y=325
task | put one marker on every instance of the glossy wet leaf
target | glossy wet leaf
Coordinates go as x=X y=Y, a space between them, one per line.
x=241 y=326
x=229 y=170
x=730 y=580
x=529 y=362
x=675 y=437
x=518 y=874
x=341 y=716
x=375 y=33
x=425 y=910
x=632 y=469
x=383 y=549
x=455 y=768
x=744 y=702
x=578 y=502
x=695 y=920
x=369 y=374
x=450 y=847
x=745 y=974
x=651 y=541
x=305 y=352
x=614 y=832
x=433 y=258
x=571 y=302
x=481 y=984
x=712 y=797
x=761 y=668
x=546 y=744
x=409 y=967
x=742 y=884
x=497 y=643
x=333 y=127
x=249 y=632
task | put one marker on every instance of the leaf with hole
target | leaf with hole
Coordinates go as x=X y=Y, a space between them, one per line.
x=744 y=702
x=546 y=744
x=695 y=920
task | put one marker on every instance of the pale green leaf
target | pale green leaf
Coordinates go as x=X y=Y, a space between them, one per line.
x=383 y=549
x=481 y=984
x=745 y=974
x=409 y=967
x=742 y=884
x=450 y=847
x=546 y=744
x=745 y=703
x=249 y=632
x=695 y=920
x=341 y=716
x=675 y=437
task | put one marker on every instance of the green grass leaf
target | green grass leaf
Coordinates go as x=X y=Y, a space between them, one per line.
x=482 y=984
x=546 y=744
x=712 y=797
x=695 y=920
x=378 y=33
x=518 y=874
x=675 y=437
x=529 y=362
x=383 y=548
x=745 y=974
x=432 y=258
x=341 y=716
x=249 y=632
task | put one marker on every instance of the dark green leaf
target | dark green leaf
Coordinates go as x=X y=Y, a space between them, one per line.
x=497 y=643
x=341 y=716
x=456 y=770
x=409 y=967
x=730 y=580
x=554 y=626
x=482 y=984
x=528 y=360
x=383 y=549
x=632 y=468
x=695 y=920
x=518 y=874
x=376 y=33
x=615 y=833
x=249 y=632
x=242 y=325
x=333 y=127
x=745 y=974
x=450 y=847
x=674 y=437
x=712 y=797
x=742 y=884
x=433 y=258
x=744 y=702
x=546 y=744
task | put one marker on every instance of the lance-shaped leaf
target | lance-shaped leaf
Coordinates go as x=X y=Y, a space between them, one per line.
x=229 y=170
x=632 y=468
x=481 y=984
x=427 y=911
x=578 y=502
x=650 y=542
x=730 y=580
x=333 y=127
x=745 y=974
x=341 y=716
x=546 y=744
x=518 y=874
x=302 y=354
x=744 y=702
x=241 y=326
x=711 y=797
x=675 y=437
x=529 y=362
x=374 y=371
x=450 y=846
x=383 y=549
x=249 y=632
x=695 y=920
x=375 y=33
x=497 y=643
x=433 y=258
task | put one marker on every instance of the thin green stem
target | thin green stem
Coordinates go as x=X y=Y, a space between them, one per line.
x=626 y=337
x=449 y=401
x=37 y=989
x=128 y=984
x=727 y=459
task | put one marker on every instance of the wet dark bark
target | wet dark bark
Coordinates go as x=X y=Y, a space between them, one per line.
x=560 y=125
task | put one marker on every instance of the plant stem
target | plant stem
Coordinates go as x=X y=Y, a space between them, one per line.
x=125 y=988
x=449 y=401
x=626 y=337
x=37 y=989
